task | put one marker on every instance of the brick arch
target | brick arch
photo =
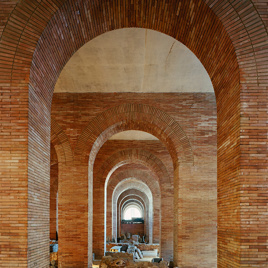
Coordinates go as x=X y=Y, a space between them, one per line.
x=138 y=195
x=130 y=202
x=171 y=18
x=61 y=143
x=135 y=184
x=131 y=172
x=131 y=156
x=132 y=194
x=102 y=175
x=128 y=171
x=123 y=206
x=129 y=195
x=132 y=116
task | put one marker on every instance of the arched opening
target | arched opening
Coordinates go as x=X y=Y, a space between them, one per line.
x=143 y=117
x=132 y=212
x=143 y=174
x=35 y=52
x=125 y=187
x=137 y=198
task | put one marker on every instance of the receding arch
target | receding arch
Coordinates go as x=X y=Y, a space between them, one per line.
x=157 y=167
x=129 y=204
x=133 y=183
x=174 y=18
x=129 y=156
x=148 y=177
x=135 y=117
x=139 y=196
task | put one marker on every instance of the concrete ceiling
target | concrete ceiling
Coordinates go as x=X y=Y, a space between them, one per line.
x=134 y=60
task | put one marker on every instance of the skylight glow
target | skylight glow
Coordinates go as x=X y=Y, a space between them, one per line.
x=132 y=213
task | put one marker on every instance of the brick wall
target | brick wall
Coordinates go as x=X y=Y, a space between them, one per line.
x=53 y=192
x=133 y=229
x=200 y=127
x=229 y=34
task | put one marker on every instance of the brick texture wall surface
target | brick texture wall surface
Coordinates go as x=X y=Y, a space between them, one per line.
x=133 y=229
x=230 y=39
x=200 y=128
x=53 y=192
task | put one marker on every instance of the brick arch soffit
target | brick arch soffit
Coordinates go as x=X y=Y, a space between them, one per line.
x=147 y=214
x=134 y=185
x=131 y=200
x=131 y=183
x=149 y=208
x=134 y=197
x=150 y=179
x=60 y=9
x=133 y=194
x=127 y=156
x=155 y=190
x=99 y=22
x=61 y=143
x=132 y=203
x=139 y=195
x=132 y=116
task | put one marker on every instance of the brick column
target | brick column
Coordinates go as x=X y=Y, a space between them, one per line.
x=166 y=234
x=254 y=176
x=73 y=214
x=14 y=175
x=53 y=200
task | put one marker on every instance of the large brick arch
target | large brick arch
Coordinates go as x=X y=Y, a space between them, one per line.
x=138 y=117
x=144 y=175
x=104 y=172
x=22 y=30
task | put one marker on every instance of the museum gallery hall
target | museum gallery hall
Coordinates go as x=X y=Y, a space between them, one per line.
x=133 y=133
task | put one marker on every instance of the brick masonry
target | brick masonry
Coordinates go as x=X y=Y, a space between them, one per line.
x=200 y=128
x=53 y=192
x=133 y=229
x=230 y=39
x=137 y=156
x=142 y=173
